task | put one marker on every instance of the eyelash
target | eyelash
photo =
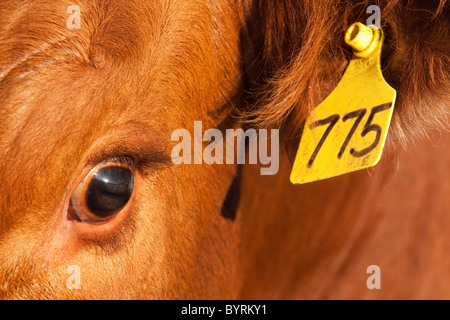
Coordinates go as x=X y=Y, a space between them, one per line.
x=123 y=159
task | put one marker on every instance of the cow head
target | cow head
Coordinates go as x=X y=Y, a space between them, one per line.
x=86 y=115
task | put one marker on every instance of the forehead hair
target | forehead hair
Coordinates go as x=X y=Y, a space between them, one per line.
x=62 y=89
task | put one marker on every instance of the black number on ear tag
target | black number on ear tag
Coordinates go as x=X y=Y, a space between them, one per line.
x=360 y=115
x=369 y=127
x=332 y=120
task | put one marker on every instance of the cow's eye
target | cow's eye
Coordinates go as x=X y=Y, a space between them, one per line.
x=104 y=192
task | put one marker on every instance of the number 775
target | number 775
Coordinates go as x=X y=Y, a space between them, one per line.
x=358 y=115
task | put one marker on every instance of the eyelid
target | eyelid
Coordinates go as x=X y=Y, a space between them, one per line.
x=123 y=160
x=123 y=152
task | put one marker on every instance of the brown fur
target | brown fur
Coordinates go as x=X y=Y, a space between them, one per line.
x=303 y=57
x=136 y=71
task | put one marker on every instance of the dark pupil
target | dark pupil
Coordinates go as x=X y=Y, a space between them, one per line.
x=109 y=191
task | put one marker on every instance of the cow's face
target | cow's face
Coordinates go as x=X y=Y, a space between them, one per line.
x=88 y=188
x=88 y=185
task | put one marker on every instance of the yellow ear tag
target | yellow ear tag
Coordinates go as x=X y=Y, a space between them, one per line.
x=347 y=131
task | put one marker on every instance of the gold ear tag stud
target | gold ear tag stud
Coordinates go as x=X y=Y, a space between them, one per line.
x=347 y=131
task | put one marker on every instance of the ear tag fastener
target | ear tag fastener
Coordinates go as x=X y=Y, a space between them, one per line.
x=347 y=131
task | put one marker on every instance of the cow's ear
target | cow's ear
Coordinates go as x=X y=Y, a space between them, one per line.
x=294 y=55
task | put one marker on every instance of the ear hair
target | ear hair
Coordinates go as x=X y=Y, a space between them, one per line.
x=294 y=55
